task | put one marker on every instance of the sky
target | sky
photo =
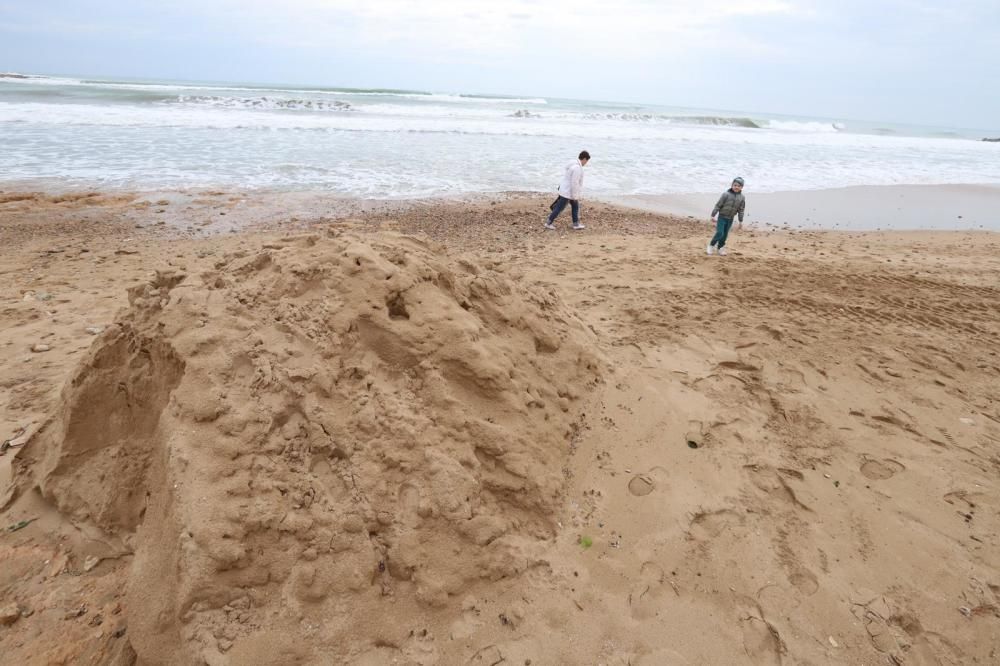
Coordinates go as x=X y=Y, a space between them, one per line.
x=925 y=62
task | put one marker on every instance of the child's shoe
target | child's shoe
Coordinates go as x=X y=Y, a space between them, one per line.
x=710 y=250
x=578 y=227
x=550 y=226
x=722 y=251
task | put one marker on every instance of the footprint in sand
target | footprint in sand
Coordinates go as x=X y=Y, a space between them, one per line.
x=761 y=640
x=779 y=599
x=641 y=485
x=707 y=525
x=489 y=655
x=805 y=582
x=962 y=497
x=880 y=470
x=772 y=481
x=644 y=598
x=651 y=572
x=409 y=504
x=792 y=378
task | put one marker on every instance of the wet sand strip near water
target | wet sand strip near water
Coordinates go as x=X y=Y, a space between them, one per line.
x=890 y=207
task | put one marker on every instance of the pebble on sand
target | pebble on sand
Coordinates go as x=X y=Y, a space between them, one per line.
x=40 y=347
x=9 y=614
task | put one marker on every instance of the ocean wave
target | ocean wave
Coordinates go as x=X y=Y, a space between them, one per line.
x=264 y=103
x=203 y=88
x=739 y=122
x=503 y=100
x=715 y=121
x=722 y=121
x=804 y=126
x=211 y=116
x=719 y=121
x=626 y=116
x=37 y=79
x=434 y=97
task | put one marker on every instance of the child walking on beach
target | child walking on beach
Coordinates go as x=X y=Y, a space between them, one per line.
x=729 y=205
x=570 y=190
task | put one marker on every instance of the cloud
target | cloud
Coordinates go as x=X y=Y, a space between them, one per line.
x=486 y=32
x=60 y=17
x=491 y=28
x=855 y=58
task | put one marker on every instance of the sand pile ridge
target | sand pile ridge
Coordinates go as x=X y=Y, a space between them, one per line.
x=317 y=448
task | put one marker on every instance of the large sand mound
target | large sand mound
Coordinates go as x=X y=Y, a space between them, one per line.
x=314 y=449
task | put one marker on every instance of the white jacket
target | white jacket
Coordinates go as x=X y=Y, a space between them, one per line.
x=571 y=186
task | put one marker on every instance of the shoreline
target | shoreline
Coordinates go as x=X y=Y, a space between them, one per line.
x=953 y=207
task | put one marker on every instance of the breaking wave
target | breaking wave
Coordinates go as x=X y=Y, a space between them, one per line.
x=264 y=103
x=719 y=121
x=715 y=121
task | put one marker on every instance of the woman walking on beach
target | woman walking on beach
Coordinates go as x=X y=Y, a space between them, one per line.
x=729 y=205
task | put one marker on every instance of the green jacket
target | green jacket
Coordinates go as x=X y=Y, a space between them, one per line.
x=730 y=205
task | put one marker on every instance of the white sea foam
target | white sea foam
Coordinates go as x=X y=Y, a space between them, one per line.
x=160 y=134
x=246 y=115
x=264 y=103
x=38 y=80
x=804 y=126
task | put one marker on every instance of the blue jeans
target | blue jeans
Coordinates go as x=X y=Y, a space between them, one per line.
x=722 y=228
x=561 y=205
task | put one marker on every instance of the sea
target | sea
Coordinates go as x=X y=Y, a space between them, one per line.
x=64 y=132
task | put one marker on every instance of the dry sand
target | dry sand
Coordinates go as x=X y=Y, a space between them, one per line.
x=436 y=434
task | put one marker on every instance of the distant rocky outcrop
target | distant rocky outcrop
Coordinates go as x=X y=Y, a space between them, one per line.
x=997 y=140
x=524 y=113
x=13 y=75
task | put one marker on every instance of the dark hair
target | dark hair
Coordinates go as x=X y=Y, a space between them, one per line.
x=585 y=155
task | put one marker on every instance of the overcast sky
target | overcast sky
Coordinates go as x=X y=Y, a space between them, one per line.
x=920 y=61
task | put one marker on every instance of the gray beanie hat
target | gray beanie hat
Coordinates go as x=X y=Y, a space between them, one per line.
x=738 y=180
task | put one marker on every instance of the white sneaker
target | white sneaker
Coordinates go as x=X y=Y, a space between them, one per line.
x=550 y=226
x=578 y=227
x=722 y=251
x=710 y=250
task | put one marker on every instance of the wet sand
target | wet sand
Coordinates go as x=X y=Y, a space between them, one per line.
x=895 y=207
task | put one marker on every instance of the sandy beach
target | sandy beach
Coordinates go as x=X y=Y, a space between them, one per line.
x=286 y=429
